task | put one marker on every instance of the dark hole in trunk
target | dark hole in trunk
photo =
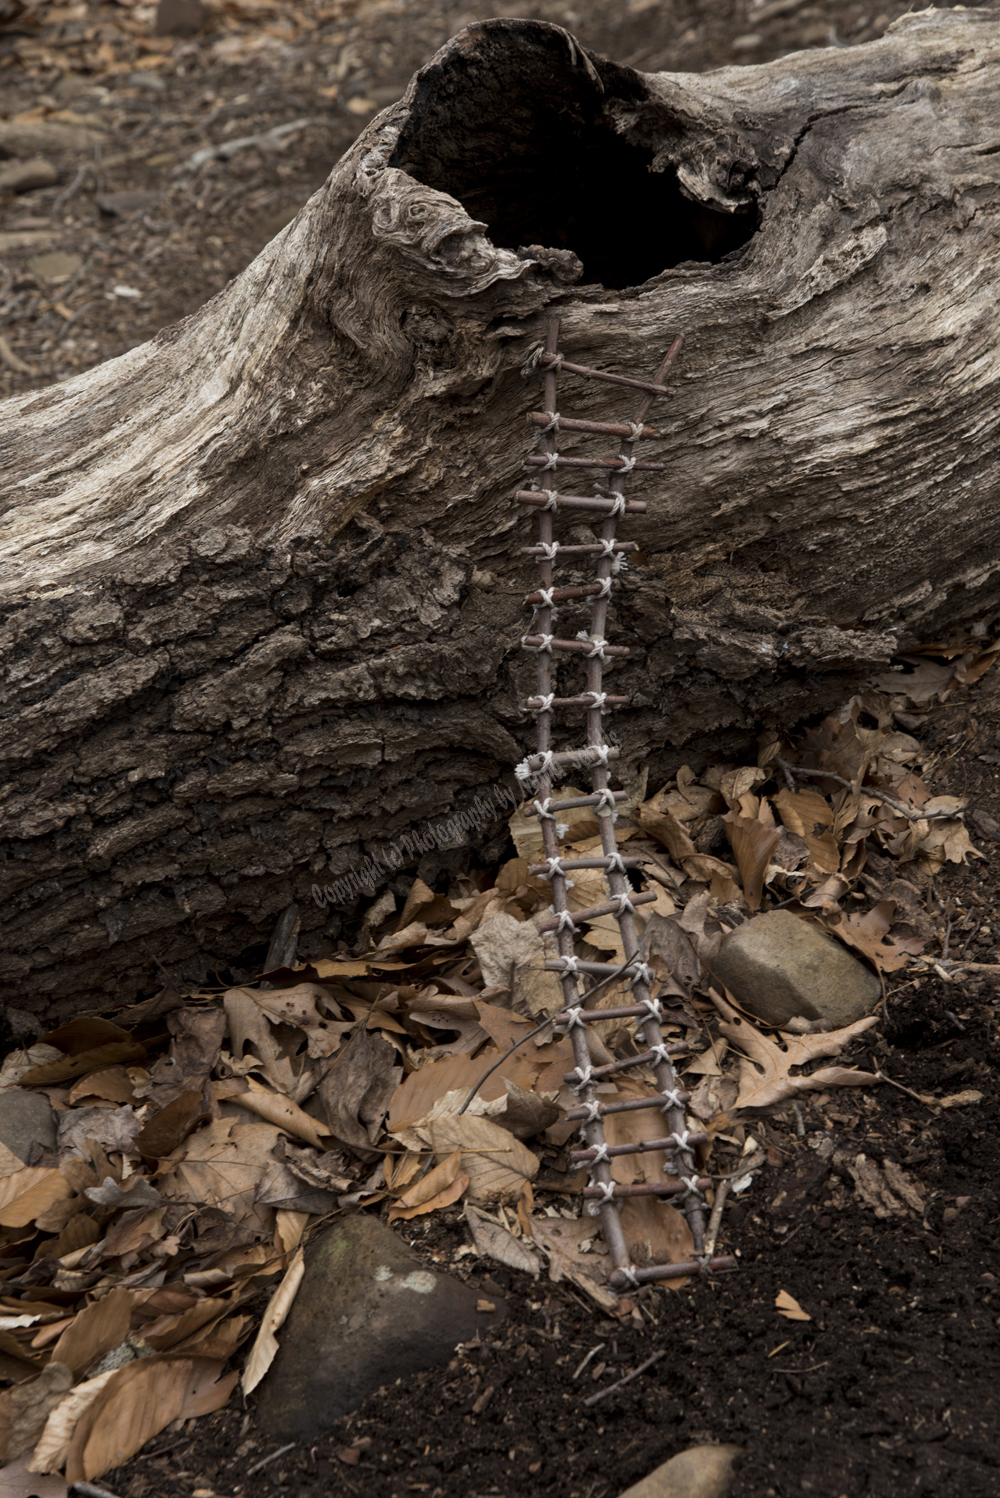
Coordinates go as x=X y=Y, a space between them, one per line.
x=516 y=128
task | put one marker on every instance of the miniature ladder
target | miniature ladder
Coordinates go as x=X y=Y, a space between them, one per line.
x=681 y=1183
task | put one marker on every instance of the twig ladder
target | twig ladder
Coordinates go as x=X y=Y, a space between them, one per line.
x=682 y=1184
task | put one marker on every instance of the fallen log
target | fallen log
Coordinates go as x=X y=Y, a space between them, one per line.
x=261 y=587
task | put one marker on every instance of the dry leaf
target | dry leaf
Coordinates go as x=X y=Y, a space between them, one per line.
x=94 y=1331
x=163 y=1132
x=114 y=1129
x=415 y=1098
x=869 y=934
x=50 y=1452
x=26 y=1193
x=55 y=1072
x=282 y=1112
x=288 y=1229
x=113 y=1084
x=440 y=1187
x=266 y=1345
x=494 y=1242
x=787 y=1306
x=500 y=1165
x=561 y=1237
x=248 y=1025
x=222 y=1165
x=142 y=1399
x=29 y=1405
x=298 y=1006
x=358 y=1088
x=18 y=1481
x=197 y=1037
x=511 y=955
x=753 y=843
x=765 y=1066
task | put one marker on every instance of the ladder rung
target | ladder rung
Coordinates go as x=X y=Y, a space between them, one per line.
x=634 y=1105
x=578 y=551
x=614 y=465
x=578 y=502
x=645 y=1188
x=592 y=969
x=590 y=754
x=543 y=870
x=534 y=704
x=621 y=1281
x=601 y=1073
x=575 y=801
x=610 y=907
x=574 y=424
x=623 y=1011
x=601 y=374
x=559 y=595
x=575 y=647
x=642 y=1146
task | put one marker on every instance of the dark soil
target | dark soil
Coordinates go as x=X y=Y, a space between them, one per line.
x=892 y=1386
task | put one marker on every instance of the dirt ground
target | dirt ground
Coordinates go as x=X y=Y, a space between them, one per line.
x=145 y=235
x=891 y=1387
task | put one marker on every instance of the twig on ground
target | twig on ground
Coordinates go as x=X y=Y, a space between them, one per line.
x=603 y=1393
x=909 y=1090
x=715 y=1221
x=591 y=1354
x=909 y=812
x=268 y=1459
x=72 y=190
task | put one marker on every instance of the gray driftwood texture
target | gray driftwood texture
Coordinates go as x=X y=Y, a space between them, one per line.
x=261 y=595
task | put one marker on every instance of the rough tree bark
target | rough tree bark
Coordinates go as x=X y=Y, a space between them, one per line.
x=261 y=588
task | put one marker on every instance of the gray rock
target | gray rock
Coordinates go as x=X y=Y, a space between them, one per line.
x=699 y=1472
x=22 y=176
x=778 y=966
x=26 y=1118
x=367 y=1313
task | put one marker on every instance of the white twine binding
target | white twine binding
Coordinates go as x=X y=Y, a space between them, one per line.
x=601 y=1153
x=627 y=464
x=571 y=1017
x=583 y=1075
x=606 y=805
x=607 y=1188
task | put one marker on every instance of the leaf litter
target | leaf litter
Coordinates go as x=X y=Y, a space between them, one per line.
x=202 y=1137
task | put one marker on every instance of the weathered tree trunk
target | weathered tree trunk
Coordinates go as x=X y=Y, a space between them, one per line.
x=261 y=584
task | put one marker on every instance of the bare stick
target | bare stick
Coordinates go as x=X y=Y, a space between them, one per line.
x=603 y=1393
x=714 y=1222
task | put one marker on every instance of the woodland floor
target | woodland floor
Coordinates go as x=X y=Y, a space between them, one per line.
x=892 y=1387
